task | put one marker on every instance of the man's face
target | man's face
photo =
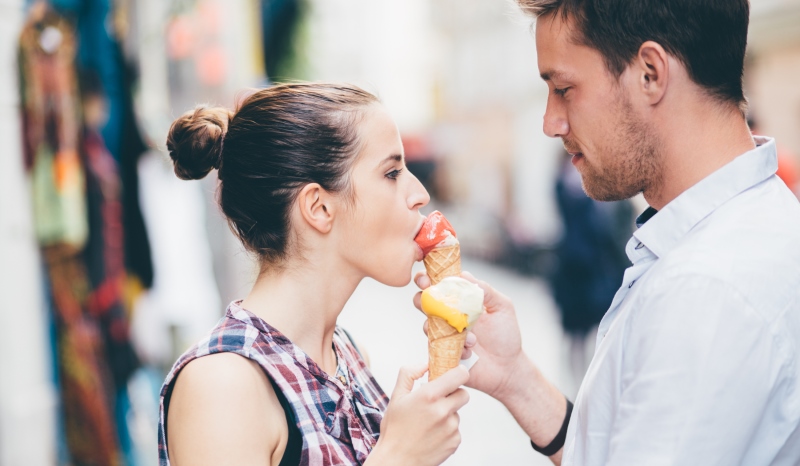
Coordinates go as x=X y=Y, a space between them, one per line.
x=613 y=148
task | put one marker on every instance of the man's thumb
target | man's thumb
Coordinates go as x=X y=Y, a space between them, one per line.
x=406 y=378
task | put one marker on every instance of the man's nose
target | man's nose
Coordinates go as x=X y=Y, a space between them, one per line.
x=555 y=120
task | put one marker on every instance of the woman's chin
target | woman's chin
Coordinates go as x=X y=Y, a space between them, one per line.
x=396 y=282
x=395 y=278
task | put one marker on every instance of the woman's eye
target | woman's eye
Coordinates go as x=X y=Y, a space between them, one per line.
x=560 y=92
x=394 y=174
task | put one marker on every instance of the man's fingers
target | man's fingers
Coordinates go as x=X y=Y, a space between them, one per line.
x=471 y=340
x=406 y=378
x=492 y=300
x=448 y=382
x=425 y=327
x=418 y=300
x=422 y=280
x=469 y=343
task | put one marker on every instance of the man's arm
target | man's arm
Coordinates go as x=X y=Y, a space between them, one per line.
x=505 y=372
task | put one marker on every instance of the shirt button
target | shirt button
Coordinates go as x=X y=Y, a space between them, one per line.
x=343 y=380
x=639 y=246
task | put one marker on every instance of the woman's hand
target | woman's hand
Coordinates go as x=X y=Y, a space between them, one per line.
x=420 y=427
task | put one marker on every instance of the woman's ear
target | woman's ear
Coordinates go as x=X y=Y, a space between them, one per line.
x=317 y=207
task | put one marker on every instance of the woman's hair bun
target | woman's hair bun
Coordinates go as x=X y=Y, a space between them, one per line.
x=195 y=141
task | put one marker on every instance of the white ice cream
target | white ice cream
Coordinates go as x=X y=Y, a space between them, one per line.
x=460 y=294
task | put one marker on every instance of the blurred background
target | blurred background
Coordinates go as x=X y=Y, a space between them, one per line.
x=110 y=266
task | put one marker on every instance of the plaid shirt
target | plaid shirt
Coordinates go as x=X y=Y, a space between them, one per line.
x=338 y=417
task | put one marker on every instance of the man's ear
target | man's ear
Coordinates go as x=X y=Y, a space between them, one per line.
x=316 y=207
x=651 y=67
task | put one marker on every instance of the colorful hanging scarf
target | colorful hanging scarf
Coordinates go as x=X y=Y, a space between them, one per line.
x=86 y=301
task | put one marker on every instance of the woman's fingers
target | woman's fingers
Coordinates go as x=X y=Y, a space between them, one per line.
x=406 y=378
x=458 y=399
x=448 y=382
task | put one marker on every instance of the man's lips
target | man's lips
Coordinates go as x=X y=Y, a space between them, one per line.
x=576 y=157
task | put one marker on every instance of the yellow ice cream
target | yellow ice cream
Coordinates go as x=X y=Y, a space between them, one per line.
x=455 y=300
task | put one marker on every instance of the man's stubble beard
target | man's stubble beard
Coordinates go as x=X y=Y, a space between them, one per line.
x=632 y=160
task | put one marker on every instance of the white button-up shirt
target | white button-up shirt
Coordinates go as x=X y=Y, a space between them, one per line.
x=698 y=358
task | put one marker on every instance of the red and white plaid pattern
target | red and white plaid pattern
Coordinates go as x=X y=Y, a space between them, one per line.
x=339 y=423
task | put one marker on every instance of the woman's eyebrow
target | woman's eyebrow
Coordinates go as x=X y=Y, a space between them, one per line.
x=393 y=157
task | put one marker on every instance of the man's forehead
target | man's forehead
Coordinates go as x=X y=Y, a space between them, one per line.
x=553 y=46
x=560 y=57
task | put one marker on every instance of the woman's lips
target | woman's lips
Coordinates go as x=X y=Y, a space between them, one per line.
x=419 y=254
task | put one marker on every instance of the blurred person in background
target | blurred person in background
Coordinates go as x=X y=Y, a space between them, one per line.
x=787 y=162
x=313 y=182
x=696 y=360
x=591 y=262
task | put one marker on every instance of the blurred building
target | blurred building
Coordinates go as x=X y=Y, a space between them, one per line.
x=772 y=70
x=773 y=64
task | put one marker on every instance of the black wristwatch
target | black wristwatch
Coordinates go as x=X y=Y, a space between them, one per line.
x=561 y=437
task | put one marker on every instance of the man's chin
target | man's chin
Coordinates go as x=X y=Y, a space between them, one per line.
x=598 y=192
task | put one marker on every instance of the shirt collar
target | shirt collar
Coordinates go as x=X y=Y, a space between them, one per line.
x=661 y=230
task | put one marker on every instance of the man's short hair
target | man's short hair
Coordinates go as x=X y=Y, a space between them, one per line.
x=708 y=36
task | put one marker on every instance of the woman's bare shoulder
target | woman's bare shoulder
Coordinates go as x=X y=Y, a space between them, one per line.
x=223 y=410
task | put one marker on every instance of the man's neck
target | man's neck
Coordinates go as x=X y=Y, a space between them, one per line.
x=696 y=141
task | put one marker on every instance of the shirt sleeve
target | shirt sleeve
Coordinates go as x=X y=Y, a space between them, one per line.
x=699 y=368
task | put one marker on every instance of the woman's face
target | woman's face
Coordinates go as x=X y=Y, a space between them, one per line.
x=377 y=230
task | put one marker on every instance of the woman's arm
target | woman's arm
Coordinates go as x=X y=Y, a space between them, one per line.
x=224 y=410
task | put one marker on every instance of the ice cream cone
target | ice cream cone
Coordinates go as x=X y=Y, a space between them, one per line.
x=444 y=262
x=445 y=345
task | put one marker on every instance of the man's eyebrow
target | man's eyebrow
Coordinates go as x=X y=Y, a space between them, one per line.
x=550 y=75
x=394 y=157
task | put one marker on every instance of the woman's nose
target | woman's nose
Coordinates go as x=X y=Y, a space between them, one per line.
x=418 y=196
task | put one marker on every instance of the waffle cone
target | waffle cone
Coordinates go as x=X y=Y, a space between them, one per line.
x=445 y=345
x=441 y=263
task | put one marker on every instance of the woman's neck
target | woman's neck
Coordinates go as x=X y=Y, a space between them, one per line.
x=303 y=302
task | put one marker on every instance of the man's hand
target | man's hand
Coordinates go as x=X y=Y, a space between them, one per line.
x=421 y=426
x=495 y=337
x=504 y=371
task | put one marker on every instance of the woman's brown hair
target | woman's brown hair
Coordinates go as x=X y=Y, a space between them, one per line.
x=280 y=139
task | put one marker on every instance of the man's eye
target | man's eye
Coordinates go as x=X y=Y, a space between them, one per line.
x=560 y=92
x=394 y=174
